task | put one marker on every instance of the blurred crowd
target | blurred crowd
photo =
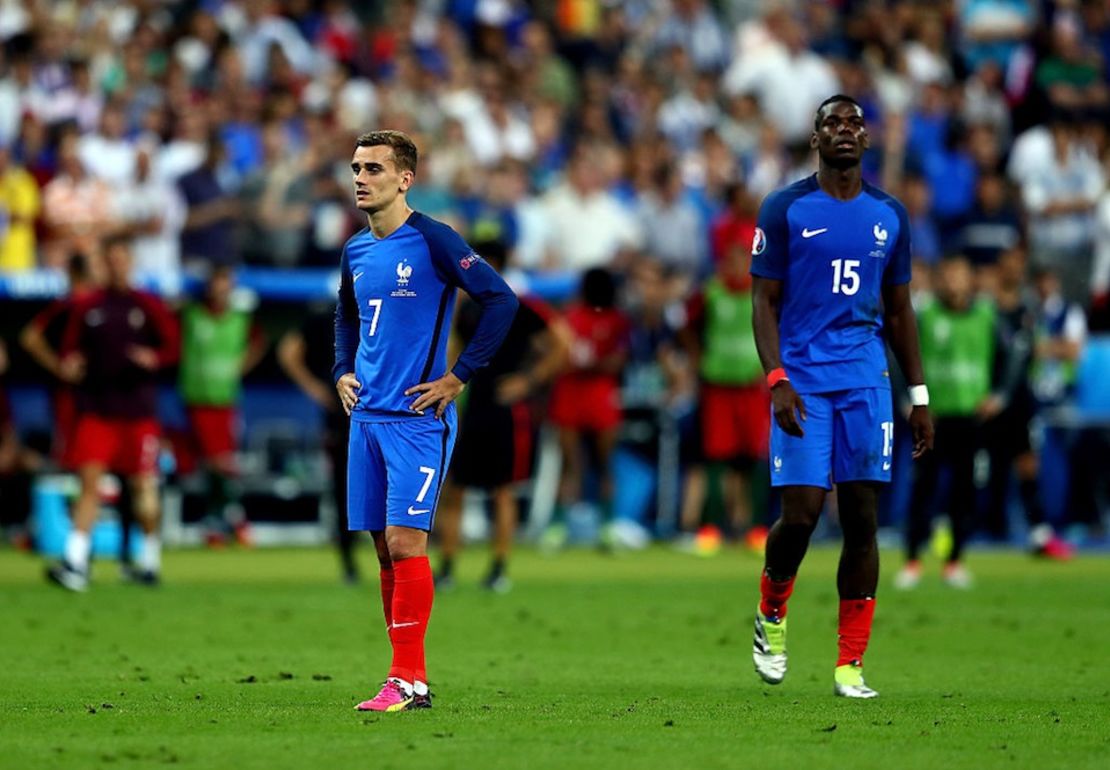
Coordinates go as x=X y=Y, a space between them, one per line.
x=632 y=137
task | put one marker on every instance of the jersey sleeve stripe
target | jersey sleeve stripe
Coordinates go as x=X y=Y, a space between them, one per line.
x=430 y=360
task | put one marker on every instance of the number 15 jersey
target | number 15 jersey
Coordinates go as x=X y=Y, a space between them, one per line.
x=834 y=258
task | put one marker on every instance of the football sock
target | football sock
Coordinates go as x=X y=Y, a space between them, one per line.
x=150 y=553
x=774 y=594
x=420 y=687
x=77 y=549
x=1031 y=499
x=413 y=592
x=387 y=596
x=854 y=629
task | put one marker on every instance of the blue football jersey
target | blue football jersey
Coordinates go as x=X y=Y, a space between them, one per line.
x=396 y=299
x=833 y=258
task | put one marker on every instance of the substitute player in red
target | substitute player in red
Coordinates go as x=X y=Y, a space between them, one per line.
x=831 y=267
x=116 y=341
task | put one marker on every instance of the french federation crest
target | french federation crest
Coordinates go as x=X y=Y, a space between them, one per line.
x=880 y=234
x=404 y=270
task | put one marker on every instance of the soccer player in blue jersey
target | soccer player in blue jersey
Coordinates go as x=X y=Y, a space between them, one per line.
x=398 y=281
x=831 y=267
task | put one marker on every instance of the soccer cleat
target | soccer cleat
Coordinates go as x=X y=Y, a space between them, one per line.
x=908 y=577
x=848 y=682
x=497 y=583
x=68 y=577
x=392 y=697
x=421 y=701
x=956 y=575
x=144 y=577
x=769 y=648
x=444 y=581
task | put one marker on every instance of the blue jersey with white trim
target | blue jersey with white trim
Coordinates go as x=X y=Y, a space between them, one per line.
x=834 y=258
x=393 y=317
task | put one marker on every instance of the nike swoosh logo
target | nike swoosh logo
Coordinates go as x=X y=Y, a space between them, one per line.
x=417 y=512
x=807 y=233
x=356 y=276
x=405 y=625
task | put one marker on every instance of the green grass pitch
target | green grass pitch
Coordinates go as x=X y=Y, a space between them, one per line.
x=255 y=659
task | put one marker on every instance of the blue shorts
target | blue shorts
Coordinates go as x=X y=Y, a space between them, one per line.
x=849 y=436
x=395 y=471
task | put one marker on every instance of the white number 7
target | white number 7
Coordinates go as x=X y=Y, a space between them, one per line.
x=429 y=472
x=377 y=305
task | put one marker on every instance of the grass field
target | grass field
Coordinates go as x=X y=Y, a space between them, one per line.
x=255 y=660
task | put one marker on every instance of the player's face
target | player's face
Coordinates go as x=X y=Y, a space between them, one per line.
x=841 y=135
x=377 y=179
x=118 y=261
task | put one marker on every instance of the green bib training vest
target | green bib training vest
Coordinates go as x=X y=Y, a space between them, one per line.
x=729 y=356
x=212 y=351
x=957 y=351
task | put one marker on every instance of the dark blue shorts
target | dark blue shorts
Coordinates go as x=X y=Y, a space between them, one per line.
x=396 y=470
x=849 y=436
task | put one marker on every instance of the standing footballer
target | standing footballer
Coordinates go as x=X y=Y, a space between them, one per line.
x=831 y=267
x=398 y=279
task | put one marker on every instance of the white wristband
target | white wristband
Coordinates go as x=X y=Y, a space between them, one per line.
x=919 y=395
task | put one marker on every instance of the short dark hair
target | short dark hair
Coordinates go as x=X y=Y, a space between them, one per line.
x=599 y=288
x=835 y=98
x=404 y=150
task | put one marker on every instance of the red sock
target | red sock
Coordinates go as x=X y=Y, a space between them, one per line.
x=854 y=629
x=413 y=591
x=387 y=595
x=774 y=593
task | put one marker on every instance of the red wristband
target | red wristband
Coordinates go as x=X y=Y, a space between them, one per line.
x=775 y=376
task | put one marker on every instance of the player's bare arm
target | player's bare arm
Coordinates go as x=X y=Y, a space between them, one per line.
x=901 y=330
x=787 y=405
x=438 y=393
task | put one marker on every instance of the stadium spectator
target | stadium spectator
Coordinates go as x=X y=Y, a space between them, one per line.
x=109 y=155
x=993 y=225
x=220 y=344
x=116 y=341
x=1060 y=193
x=673 y=226
x=586 y=226
x=276 y=203
x=19 y=207
x=150 y=211
x=78 y=210
x=208 y=235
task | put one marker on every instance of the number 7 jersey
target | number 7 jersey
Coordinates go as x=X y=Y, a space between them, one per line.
x=834 y=258
x=393 y=317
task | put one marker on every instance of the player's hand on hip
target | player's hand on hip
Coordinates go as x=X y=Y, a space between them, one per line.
x=921 y=422
x=143 y=357
x=347 y=387
x=438 y=393
x=788 y=408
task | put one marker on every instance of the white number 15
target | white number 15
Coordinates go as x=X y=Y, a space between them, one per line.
x=845 y=277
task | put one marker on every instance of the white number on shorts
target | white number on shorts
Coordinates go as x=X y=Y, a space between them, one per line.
x=428 y=473
x=845 y=277
x=377 y=305
x=888 y=438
